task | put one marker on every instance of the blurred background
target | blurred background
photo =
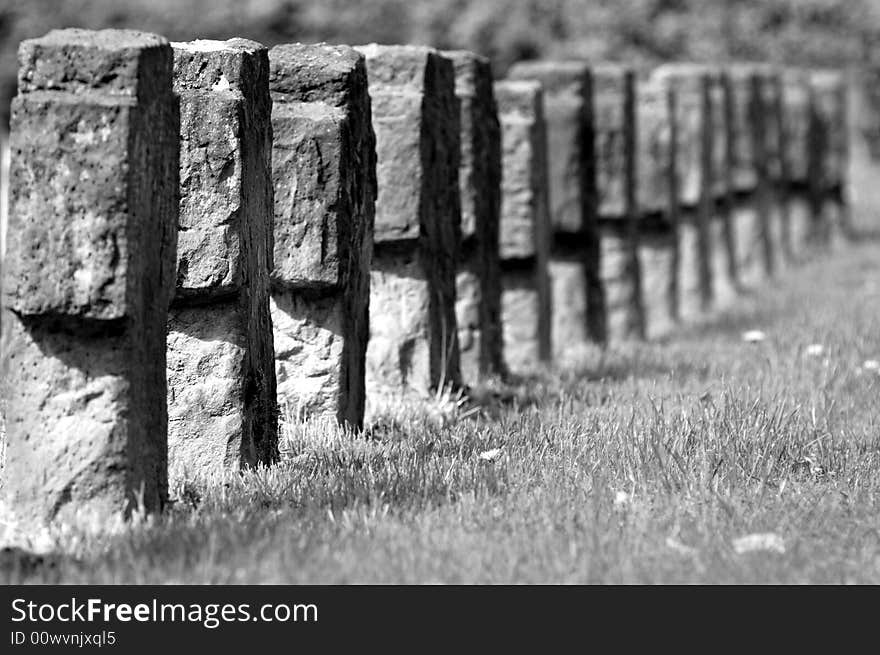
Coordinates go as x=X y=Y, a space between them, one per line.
x=806 y=32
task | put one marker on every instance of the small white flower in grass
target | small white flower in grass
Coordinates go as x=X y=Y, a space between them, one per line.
x=766 y=541
x=621 y=499
x=753 y=336
x=490 y=455
x=871 y=365
x=815 y=350
x=681 y=548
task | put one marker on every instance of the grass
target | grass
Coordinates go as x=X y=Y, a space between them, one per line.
x=643 y=464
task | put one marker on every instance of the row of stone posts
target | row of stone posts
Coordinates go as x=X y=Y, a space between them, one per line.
x=206 y=235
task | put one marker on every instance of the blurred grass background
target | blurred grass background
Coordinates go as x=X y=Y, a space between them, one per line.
x=808 y=32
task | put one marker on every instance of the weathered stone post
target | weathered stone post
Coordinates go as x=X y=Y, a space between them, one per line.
x=413 y=345
x=221 y=381
x=614 y=130
x=323 y=164
x=574 y=266
x=526 y=306
x=746 y=216
x=795 y=161
x=478 y=283
x=657 y=199
x=863 y=121
x=92 y=238
x=828 y=156
x=694 y=162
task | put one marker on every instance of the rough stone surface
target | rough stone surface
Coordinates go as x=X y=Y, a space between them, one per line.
x=323 y=163
x=800 y=224
x=478 y=285
x=765 y=146
x=413 y=329
x=221 y=379
x=863 y=106
x=93 y=232
x=526 y=318
x=568 y=108
x=657 y=253
x=613 y=88
x=525 y=218
x=654 y=147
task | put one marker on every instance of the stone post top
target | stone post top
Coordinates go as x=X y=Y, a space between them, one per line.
x=472 y=71
x=555 y=75
x=519 y=96
x=741 y=71
x=611 y=79
x=689 y=76
x=216 y=65
x=78 y=60
x=401 y=65
x=318 y=72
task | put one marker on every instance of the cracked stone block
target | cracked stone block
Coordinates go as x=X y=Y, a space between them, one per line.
x=221 y=380
x=323 y=164
x=800 y=223
x=418 y=220
x=657 y=255
x=89 y=274
x=478 y=282
x=653 y=147
x=570 y=316
x=526 y=316
x=567 y=95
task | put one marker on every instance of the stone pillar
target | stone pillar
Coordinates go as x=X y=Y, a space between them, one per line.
x=614 y=130
x=795 y=161
x=863 y=169
x=92 y=239
x=413 y=345
x=222 y=410
x=323 y=166
x=694 y=160
x=574 y=265
x=478 y=282
x=657 y=205
x=526 y=307
x=745 y=213
x=829 y=155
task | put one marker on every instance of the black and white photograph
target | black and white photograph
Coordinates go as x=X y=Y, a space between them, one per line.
x=393 y=294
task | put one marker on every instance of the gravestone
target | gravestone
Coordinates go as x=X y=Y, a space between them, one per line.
x=478 y=281
x=88 y=279
x=796 y=157
x=579 y=316
x=413 y=346
x=323 y=167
